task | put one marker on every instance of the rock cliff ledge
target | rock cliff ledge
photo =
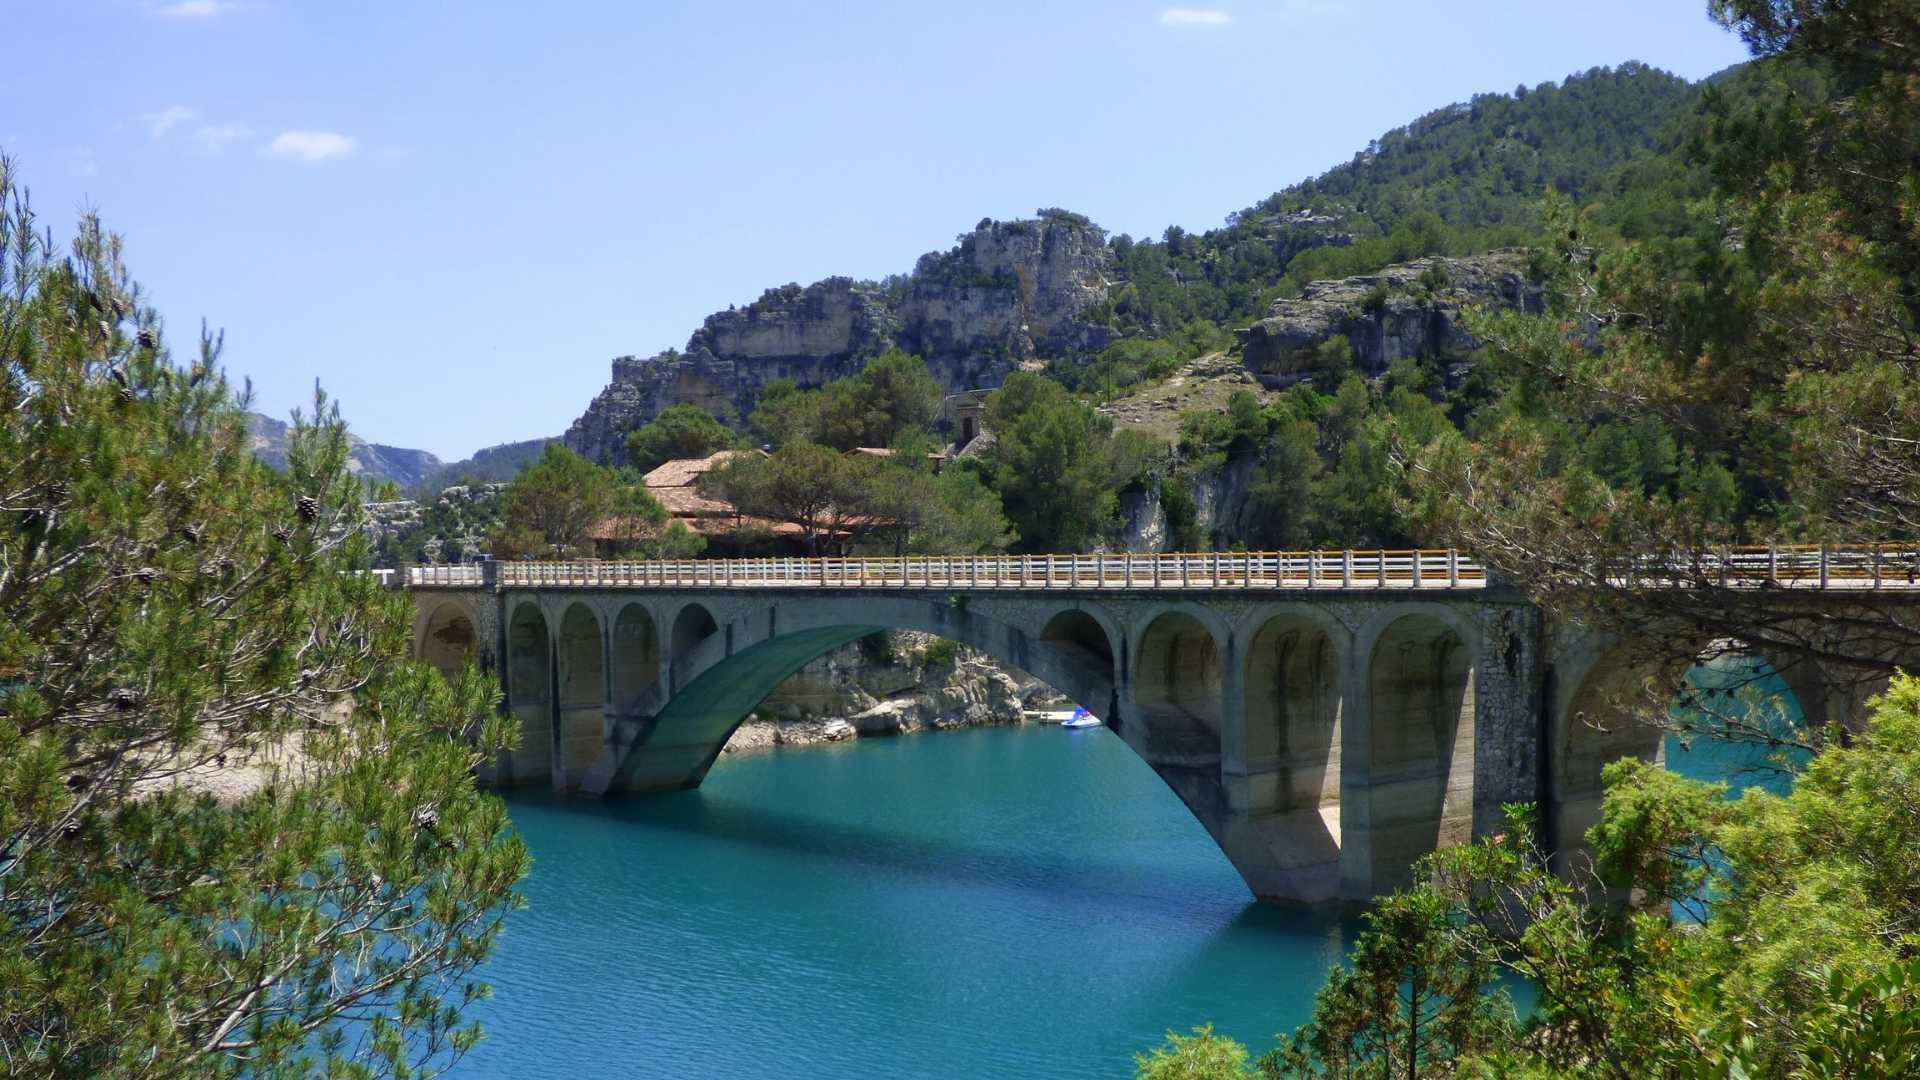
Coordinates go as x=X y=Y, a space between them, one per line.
x=1009 y=292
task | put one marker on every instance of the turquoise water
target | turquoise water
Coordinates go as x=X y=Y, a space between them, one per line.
x=1740 y=687
x=1023 y=902
x=1026 y=902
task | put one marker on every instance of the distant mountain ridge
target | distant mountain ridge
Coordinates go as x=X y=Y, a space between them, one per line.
x=371 y=461
x=413 y=471
x=495 y=464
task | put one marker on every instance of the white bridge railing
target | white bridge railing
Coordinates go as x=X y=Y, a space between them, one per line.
x=1200 y=570
x=1885 y=566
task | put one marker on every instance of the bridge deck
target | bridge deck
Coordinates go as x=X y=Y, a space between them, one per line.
x=1798 y=567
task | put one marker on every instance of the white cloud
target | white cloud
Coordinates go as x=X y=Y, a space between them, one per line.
x=310 y=147
x=194 y=9
x=1184 y=16
x=215 y=136
x=167 y=119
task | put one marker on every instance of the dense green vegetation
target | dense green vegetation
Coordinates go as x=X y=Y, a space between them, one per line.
x=855 y=466
x=554 y=509
x=1462 y=178
x=1803 y=964
x=1747 y=372
x=680 y=431
x=167 y=600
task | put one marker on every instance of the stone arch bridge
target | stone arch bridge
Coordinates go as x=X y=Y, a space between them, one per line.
x=1328 y=717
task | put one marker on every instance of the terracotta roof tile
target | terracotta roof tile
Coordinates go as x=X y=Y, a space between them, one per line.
x=682 y=472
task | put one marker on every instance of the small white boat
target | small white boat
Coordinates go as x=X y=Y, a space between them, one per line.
x=1080 y=718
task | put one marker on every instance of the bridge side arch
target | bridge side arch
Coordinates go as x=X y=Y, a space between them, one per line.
x=1602 y=690
x=1088 y=630
x=579 y=724
x=446 y=634
x=1418 y=666
x=1178 y=678
x=635 y=653
x=690 y=626
x=530 y=691
x=1295 y=690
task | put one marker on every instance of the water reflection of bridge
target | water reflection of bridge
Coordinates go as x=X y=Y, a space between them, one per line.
x=1328 y=716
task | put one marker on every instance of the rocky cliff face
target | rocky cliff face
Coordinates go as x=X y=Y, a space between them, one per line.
x=1407 y=310
x=1009 y=292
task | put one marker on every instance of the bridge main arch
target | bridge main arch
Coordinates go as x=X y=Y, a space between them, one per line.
x=723 y=664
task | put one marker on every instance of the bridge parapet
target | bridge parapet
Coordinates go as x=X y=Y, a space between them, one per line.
x=1856 y=566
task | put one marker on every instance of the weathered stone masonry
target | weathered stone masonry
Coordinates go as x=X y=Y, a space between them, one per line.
x=1326 y=738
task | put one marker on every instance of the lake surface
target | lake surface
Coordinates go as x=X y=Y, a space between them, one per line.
x=1024 y=902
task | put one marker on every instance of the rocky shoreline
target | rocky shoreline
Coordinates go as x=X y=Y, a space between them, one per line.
x=898 y=684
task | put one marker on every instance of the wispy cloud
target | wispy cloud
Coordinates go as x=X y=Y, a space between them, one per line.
x=167 y=119
x=1186 y=16
x=193 y=9
x=80 y=160
x=311 y=147
x=181 y=119
x=215 y=136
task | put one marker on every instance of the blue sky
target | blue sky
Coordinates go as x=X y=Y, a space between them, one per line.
x=454 y=213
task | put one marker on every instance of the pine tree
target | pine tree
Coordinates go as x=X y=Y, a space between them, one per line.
x=166 y=601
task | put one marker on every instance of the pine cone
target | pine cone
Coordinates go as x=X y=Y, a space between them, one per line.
x=146 y=339
x=309 y=508
x=283 y=534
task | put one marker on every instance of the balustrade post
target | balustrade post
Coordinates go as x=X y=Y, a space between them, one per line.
x=1381 y=569
x=1186 y=579
x=1876 y=566
x=1823 y=566
x=1453 y=568
x=1126 y=568
x=1773 y=564
x=1416 y=567
x=1346 y=569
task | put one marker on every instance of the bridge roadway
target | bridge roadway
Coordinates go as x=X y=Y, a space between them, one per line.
x=1327 y=716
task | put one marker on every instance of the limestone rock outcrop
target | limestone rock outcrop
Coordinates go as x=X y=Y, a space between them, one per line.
x=1008 y=292
x=1410 y=309
x=905 y=687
